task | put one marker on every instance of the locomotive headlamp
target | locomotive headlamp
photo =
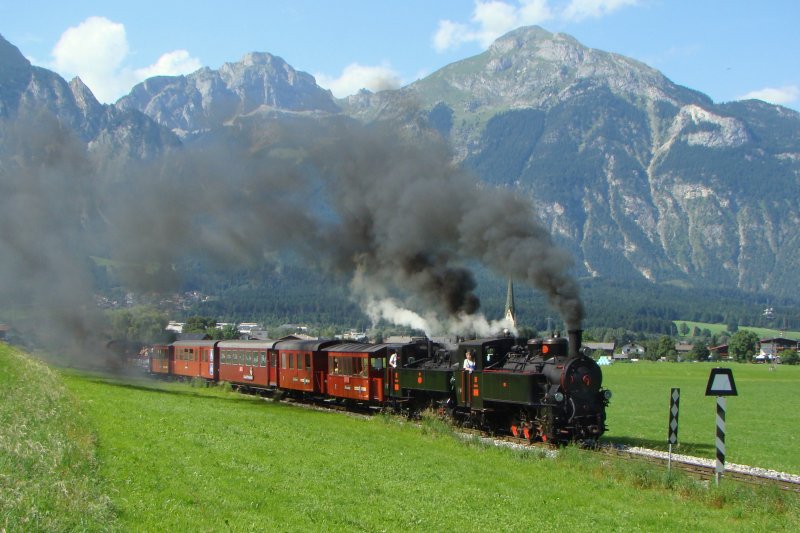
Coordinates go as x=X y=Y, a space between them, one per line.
x=559 y=396
x=607 y=394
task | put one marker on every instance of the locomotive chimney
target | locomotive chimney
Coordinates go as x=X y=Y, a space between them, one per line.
x=575 y=341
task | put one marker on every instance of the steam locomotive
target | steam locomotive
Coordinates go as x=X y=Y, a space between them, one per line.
x=545 y=390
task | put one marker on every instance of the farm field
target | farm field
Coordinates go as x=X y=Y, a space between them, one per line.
x=161 y=456
x=761 y=422
x=763 y=333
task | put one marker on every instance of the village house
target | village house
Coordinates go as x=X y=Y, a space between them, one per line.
x=606 y=347
x=770 y=348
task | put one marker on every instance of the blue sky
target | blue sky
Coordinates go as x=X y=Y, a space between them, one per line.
x=728 y=49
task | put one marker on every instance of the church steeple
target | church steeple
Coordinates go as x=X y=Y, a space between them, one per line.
x=510 y=312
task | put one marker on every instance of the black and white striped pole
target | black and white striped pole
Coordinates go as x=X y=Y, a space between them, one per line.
x=720 y=466
x=674 y=403
x=720 y=384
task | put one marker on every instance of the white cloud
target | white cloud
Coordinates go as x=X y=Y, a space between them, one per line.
x=775 y=95
x=93 y=50
x=583 y=9
x=493 y=18
x=96 y=50
x=450 y=35
x=170 y=64
x=355 y=77
x=490 y=20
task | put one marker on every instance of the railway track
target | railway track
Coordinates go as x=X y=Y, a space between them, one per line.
x=704 y=468
x=693 y=466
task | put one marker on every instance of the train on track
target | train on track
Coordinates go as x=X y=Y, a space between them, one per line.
x=543 y=389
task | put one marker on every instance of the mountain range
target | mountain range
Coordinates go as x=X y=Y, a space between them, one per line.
x=639 y=178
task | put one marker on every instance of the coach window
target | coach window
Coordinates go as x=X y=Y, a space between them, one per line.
x=291 y=361
x=283 y=360
x=248 y=358
x=308 y=361
x=263 y=359
x=377 y=363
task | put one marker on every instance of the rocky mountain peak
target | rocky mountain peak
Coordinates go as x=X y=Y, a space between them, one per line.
x=11 y=58
x=207 y=98
x=15 y=74
x=84 y=98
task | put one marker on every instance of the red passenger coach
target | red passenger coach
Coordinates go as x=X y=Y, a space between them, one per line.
x=161 y=359
x=303 y=364
x=248 y=363
x=357 y=371
x=195 y=359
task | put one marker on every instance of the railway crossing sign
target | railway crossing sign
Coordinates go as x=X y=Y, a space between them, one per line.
x=720 y=383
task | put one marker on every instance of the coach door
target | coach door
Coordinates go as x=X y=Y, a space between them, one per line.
x=273 y=368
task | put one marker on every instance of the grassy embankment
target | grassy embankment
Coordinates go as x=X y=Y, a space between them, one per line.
x=48 y=469
x=761 y=423
x=176 y=458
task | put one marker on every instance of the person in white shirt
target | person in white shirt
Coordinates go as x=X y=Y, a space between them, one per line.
x=469 y=364
x=393 y=360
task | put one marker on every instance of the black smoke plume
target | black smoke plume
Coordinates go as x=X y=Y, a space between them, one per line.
x=390 y=213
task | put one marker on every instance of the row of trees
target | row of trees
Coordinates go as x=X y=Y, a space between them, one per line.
x=145 y=324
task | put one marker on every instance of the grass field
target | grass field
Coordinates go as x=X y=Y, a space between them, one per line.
x=762 y=422
x=169 y=457
x=763 y=333
x=48 y=467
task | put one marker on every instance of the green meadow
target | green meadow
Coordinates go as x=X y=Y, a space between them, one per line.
x=762 y=422
x=763 y=333
x=84 y=452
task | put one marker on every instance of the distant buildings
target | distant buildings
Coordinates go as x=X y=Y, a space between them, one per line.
x=606 y=347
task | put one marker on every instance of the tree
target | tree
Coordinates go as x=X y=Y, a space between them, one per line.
x=666 y=347
x=699 y=352
x=228 y=332
x=141 y=323
x=684 y=329
x=789 y=357
x=199 y=324
x=743 y=346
